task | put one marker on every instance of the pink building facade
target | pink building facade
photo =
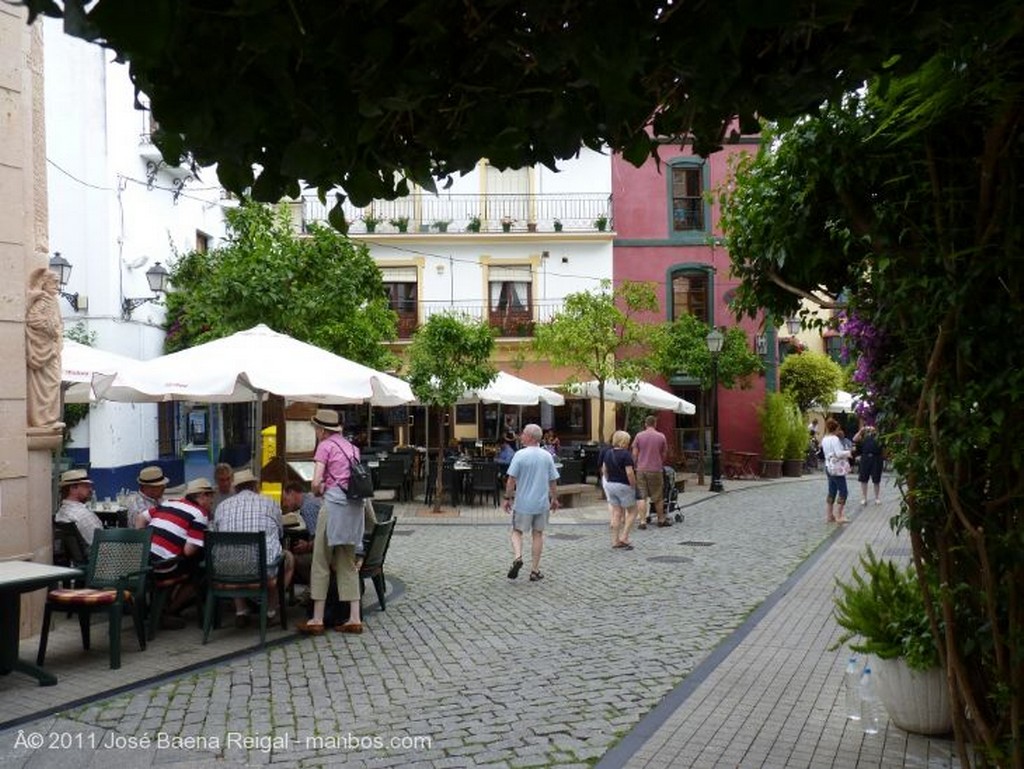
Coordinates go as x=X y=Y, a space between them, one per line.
x=667 y=233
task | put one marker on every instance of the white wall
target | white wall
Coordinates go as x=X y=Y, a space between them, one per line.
x=111 y=226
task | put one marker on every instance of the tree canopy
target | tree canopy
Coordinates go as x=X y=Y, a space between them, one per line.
x=321 y=288
x=809 y=378
x=597 y=334
x=367 y=95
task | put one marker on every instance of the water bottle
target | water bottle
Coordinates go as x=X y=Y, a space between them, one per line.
x=851 y=682
x=869 y=705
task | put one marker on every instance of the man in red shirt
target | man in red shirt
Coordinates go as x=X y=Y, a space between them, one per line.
x=179 y=531
x=650 y=450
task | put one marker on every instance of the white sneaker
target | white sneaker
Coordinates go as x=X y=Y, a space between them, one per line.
x=863 y=502
x=878 y=501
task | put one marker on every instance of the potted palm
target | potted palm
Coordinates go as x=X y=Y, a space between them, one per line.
x=601 y=223
x=882 y=612
x=774 y=418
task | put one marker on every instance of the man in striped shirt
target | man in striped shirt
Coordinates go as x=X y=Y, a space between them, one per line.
x=179 y=532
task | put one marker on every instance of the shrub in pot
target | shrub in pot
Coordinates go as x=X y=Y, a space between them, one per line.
x=796 y=445
x=882 y=611
x=774 y=418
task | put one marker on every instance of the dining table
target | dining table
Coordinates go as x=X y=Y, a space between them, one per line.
x=16 y=578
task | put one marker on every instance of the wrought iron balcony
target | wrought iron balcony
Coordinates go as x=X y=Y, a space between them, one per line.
x=565 y=212
x=508 y=322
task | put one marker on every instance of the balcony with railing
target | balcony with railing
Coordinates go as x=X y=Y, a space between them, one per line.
x=461 y=213
x=509 y=322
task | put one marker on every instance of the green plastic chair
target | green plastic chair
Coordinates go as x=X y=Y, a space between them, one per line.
x=236 y=567
x=115 y=582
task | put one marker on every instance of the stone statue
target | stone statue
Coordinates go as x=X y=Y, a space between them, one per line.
x=43 y=342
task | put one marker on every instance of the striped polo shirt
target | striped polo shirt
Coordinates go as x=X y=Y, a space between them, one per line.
x=175 y=523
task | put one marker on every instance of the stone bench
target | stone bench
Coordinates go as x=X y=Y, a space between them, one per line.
x=569 y=494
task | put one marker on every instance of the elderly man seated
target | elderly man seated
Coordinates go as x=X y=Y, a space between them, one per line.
x=75 y=490
x=152 y=484
x=248 y=510
x=176 y=548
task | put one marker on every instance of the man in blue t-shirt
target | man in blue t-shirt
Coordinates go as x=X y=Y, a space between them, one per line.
x=530 y=493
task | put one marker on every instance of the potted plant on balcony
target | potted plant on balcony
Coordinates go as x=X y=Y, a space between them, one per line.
x=474 y=224
x=442 y=224
x=884 y=610
x=371 y=222
x=601 y=223
x=506 y=223
x=558 y=225
x=401 y=223
x=774 y=417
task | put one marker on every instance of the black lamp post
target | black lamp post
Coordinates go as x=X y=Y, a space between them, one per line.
x=62 y=269
x=714 y=341
x=157 y=276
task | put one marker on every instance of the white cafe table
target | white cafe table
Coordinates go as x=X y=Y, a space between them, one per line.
x=17 y=577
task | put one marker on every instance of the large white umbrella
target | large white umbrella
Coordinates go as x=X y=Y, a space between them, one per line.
x=79 y=362
x=247 y=366
x=510 y=390
x=640 y=394
x=843 y=402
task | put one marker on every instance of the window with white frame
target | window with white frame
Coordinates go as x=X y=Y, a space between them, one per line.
x=402 y=287
x=510 y=299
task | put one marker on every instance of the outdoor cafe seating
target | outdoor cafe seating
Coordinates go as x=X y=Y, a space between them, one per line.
x=115 y=583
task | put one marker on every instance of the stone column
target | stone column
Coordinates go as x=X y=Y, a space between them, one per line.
x=26 y=453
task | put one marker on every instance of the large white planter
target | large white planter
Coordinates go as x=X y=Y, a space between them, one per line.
x=915 y=701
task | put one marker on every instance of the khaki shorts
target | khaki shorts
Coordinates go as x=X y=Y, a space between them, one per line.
x=650 y=485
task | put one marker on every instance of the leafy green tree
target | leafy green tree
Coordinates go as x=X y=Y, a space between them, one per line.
x=320 y=288
x=368 y=96
x=448 y=356
x=680 y=348
x=896 y=205
x=809 y=378
x=595 y=331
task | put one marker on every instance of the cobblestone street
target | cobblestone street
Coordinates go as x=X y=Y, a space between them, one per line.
x=466 y=667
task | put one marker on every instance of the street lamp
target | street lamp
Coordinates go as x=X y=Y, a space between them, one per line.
x=714 y=341
x=157 y=276
x=793 y=324
x=62 y=268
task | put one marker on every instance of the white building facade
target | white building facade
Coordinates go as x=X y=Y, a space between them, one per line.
x=115 y=211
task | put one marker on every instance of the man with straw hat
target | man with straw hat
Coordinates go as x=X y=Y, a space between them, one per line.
x=75 y=490
x=152 y=483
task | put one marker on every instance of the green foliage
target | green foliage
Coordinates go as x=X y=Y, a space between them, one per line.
x=448 y=356
x=796 y=436
x=810 y=378
x=321 y=288
x=474 y=224
x=76 y=412
x=594 y=331
x=884 y=609
x=680 y=348
x=774 y=417
x=369 y=96
x=400 y=223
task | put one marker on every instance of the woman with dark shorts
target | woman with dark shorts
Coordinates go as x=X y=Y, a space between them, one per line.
x=869 y=453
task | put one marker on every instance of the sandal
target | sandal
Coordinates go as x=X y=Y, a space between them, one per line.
x=350 y=627
x=536 y=576
x=517 y=564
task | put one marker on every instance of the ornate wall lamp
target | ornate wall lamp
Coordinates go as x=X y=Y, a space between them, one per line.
x=61 y=267
x=157 y=276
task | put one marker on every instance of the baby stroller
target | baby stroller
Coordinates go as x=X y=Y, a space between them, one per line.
x=670 y=494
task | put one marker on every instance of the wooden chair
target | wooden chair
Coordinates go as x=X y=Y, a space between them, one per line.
x=373 y=562
x=115 y=582
x=236 y=567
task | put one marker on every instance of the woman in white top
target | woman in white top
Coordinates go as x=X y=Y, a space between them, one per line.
x=837 y=465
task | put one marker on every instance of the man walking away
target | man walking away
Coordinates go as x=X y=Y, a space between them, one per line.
x=530 y=494
x=650 y=450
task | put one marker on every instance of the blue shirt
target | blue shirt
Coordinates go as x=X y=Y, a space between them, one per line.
x=309 y=511
x=534 y=469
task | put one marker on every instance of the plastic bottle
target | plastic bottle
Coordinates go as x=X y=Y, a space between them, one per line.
x=851 y=683
x=869 y=705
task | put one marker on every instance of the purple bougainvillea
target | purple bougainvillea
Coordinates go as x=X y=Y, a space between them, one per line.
x=863 y=341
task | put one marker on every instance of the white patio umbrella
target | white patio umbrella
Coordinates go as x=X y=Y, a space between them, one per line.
x=843 y=402
x=510 y=390
x=78 y=364
x=247 y=366
x=641 y=394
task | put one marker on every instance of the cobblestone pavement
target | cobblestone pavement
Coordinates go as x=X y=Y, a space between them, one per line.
x=467 y=668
